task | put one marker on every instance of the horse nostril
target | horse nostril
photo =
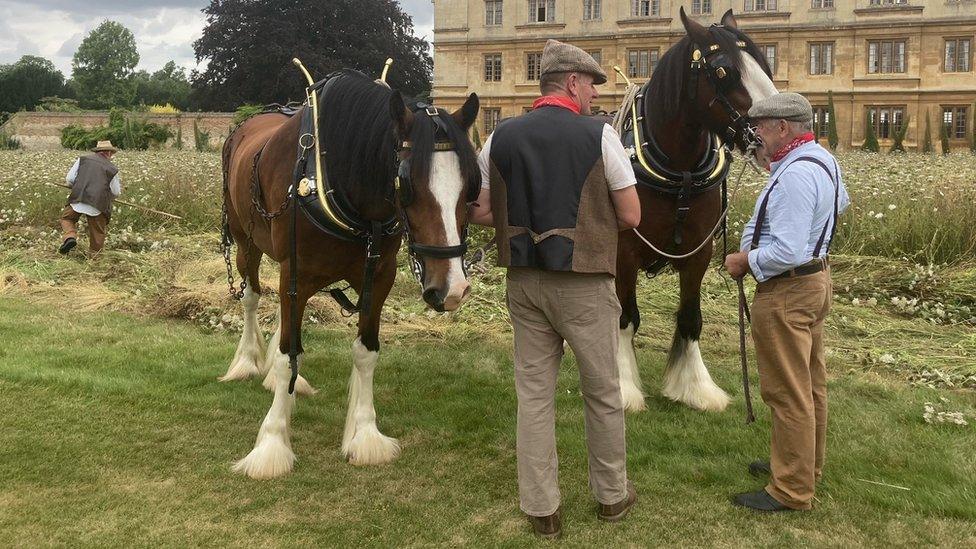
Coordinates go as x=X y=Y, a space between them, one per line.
x=434 y=298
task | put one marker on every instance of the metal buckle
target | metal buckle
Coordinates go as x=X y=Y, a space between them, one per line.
x=431 y=111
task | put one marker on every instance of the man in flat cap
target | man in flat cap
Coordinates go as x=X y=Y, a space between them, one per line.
x=785 y=247
x=95 y=183
x=558 y=186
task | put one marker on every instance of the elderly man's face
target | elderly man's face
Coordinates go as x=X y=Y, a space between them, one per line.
x=774 y=134
x=582 y=90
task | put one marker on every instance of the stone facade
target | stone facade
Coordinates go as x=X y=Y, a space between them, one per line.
x=42 y=130
x=462 y=39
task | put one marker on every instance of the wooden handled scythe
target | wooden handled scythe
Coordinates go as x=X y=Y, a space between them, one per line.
x=120 y=201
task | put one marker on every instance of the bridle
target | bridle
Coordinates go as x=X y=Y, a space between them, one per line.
x=723 y=77
x=404 y=196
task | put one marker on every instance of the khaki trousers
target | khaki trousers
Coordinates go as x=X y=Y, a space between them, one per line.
x=547 y=308
x=97 y=227
x=787 y=328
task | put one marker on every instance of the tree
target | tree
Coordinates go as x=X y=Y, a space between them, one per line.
x=899 y=144
x=927 y=147
x=832 y=139
x=24 y=83
x=249 y=45
x=167 y=85
x=944 y=137
x=870 y=138
x=102 y=67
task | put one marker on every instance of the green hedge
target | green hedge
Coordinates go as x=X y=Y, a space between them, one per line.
x=125 y=132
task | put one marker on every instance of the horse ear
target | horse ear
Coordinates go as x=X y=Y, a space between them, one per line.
x=695 y=30
x=466 y=115
x=728 y=20
x=401 y=115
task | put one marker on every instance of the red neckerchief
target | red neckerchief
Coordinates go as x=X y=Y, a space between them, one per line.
x=558 y=101
x=780 y=154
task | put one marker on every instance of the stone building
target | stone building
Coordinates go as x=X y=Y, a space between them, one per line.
x=884 y=60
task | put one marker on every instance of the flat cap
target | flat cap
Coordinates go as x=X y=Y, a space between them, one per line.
x=783 y=106
x=560 y=57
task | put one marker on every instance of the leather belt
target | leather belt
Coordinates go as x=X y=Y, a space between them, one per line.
x=811 y=267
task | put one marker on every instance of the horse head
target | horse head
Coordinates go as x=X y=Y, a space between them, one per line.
x=438 y=175
x=728 y=73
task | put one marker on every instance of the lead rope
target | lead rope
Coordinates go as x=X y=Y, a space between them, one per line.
x=743 y=317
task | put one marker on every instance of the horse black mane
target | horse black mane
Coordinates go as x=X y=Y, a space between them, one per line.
x=359 y=136
x=667 y=86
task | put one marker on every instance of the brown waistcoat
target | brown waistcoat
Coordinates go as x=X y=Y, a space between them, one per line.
x=92 y=184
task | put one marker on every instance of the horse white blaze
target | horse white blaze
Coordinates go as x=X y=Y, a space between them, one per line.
x=302 y=387
x=755 y=80
x=447 y=187
x=687 y=380
x=249 y=358
x=630 y=384
x=362 y=442
x=272 y=455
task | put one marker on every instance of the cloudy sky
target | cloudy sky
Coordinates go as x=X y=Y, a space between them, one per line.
x=164 y=29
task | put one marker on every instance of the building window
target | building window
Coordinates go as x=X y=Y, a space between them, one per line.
x=759 y=5
x=493 y=67
x=957 y=58
x=954 y=119
x=886 y=56
x=493 y=13
x=769 y=50
x=645 y=8
x=821 y=121
x=701 y=7
x=822 y=4
x=592 y=9
x=822 y=58
x=527 y=109
x=641 y=63
x=532 y=63
x=889 y=3
x=542 y=11
x=491 y=117
x=887 y=121
x=597 y=56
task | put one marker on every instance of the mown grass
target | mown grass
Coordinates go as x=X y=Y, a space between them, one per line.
x=116 y=433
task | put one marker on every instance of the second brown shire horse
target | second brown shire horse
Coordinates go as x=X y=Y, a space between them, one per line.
x=368 y=140
x=692 y=108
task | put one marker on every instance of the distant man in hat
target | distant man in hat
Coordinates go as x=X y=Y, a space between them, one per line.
x=785 y=247
x=558 y=186
x=95 y=183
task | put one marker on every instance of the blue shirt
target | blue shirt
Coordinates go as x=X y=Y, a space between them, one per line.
x=799 y=208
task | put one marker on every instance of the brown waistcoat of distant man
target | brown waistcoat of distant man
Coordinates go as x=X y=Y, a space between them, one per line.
x=95 y=183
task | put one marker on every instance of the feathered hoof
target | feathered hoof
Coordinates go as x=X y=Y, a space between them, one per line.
x=370 y=447
x=270 y=458
x=632 y=398
x=242 y=368
x=703 y=395
x=302 y=387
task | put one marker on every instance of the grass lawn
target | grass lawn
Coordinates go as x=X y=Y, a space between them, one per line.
x=116 y=433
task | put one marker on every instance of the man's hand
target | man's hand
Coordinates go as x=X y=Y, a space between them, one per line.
x=737 y=264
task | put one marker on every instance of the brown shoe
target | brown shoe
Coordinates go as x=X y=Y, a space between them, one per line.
x=619 y=510
x=547 y=527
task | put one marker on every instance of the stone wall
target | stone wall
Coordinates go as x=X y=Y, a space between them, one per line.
x=42 y=130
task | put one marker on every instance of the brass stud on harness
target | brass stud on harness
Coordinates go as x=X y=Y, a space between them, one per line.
x=720 y=72
x=696 y=55
x=304 y=187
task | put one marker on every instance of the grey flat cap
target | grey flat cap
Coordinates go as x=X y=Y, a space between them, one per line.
x=560 y=57
x=783 y=106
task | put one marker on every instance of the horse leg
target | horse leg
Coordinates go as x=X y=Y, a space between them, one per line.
x=249 y=358
x=272 y=455
x=362 y=442
x=686 y=379
x=302 y=386
x=631 y=393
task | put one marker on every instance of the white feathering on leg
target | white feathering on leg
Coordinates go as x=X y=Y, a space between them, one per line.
x=272 y=455
x=249 y=357
x=687 y=380
x=630 y=384
x=362 y=442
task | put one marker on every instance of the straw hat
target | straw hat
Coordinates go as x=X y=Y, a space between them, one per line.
x=104 y=146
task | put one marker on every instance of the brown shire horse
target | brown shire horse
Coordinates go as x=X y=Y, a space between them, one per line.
x=363 y=127
x=699 y=93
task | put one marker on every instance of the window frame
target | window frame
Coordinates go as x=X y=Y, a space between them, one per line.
x=653 y=57
x=591 y=14
x=958 y=114
x=774 y=45
x=698 y=7
x=821 y=124
x=821 y=4
x=653 y=8
x=498 y=15
x=893 y=61
x=823 y=68
x=529 y=55
x=495 y=74
x=491 y=116
x=754 y=6
x=548 y=9
x=957 y=57
x=895 y=122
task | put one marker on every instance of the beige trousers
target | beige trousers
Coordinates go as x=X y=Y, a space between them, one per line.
x=97 y=227
x=788 y=329
x=547 y=308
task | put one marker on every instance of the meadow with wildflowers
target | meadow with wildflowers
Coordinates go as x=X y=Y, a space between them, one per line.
x=117 y=430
